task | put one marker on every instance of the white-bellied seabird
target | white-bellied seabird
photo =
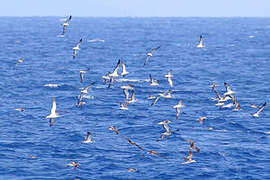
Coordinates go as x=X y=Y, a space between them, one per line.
x=192 y=145
x=219 y=98
x=228 y=90
x=177 y=108
x=124 y=106
x=167 y=129
x=20 y=109
x=151 y=97
x=201 y=119
x=114 y=129
x=213 y=85
x=65 y=25
x=235 y=102
x=115 y=71
x=18 y=62
x=74 y=164
x=189 y=159
x=126 y=93
x=153 y=82
x=124 y=71
x=132 y=99
x=53 y=114
x=88 y=139
x=106 y=78
x=228 y=105
x=131 y=170
x=200 y=45
x=85 y=90
x=76 y=48
x=169 y=77
x=82 y=72
x=80 y=100
x=166 y=94
x=256 y=114
x=150 y=54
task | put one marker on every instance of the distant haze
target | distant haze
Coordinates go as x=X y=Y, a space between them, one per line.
x=140 y=8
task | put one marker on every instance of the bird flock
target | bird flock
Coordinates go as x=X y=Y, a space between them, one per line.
x=223 y=100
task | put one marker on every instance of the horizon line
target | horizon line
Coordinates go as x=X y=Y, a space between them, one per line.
x=138 y=16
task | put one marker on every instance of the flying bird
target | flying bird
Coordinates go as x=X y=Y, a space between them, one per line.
x=201 y=119
x=189 y=159
x=65 y=25
x=74 y=164
x=76 y=48
x=166 y=94
x=82 y=72
x=228 y=89
x=261 y=108
x=132 y=99
x=88 y=138
x=53 y=114
x=192 y=145
x=177 y=108
x=85 y=90
x=167 y=129
x=124 y=71
x=115 y=71
x=169 y=78
x=150 y=54
x=153 y=82
x=200 y=45
x=19 y=61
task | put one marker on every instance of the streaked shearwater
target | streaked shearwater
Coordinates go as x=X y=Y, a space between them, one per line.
x=150 y=54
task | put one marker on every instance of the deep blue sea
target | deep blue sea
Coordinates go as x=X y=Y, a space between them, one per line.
x=233 y=144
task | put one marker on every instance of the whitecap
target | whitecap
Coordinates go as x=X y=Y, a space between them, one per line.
x=95 y=40
x=52 y=85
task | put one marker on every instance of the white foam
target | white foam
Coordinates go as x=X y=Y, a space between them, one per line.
x=52 y=85
x=95 y=40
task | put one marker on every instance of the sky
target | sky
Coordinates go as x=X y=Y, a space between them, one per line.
x=137 y=8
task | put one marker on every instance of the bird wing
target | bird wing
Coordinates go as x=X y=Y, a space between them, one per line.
x=79 y=43
x=53 y=109
x=111 y=81
x=261 y=108
x=117 y=67
x=155 y=49
x=155 y=100
x=126 y=93
x=146 y=60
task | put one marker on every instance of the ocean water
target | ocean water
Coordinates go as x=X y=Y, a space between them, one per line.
x=234 y=145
